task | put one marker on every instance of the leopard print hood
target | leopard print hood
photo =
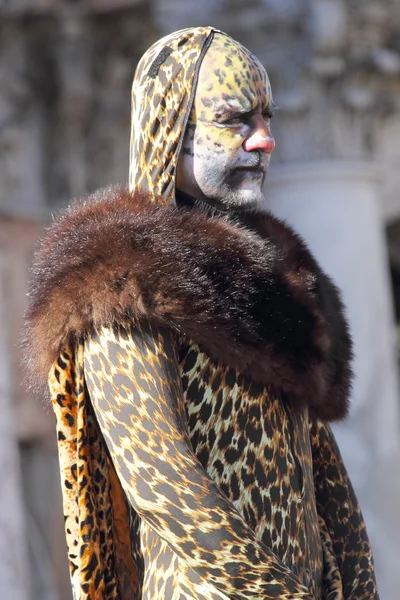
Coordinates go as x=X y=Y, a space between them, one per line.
x=162 y=97
x=247 y=291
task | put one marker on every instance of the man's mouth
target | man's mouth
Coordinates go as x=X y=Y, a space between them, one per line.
x=256 y=170
x=255 y=164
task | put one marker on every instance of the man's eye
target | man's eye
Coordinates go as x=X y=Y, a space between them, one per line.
x=239 y=120
x=267 y=115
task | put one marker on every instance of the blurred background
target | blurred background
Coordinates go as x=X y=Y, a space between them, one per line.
x=65 y=74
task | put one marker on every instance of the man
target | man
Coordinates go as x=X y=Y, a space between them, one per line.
x=196 y=353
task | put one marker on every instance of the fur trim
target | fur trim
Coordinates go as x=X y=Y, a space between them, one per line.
x=251 y=295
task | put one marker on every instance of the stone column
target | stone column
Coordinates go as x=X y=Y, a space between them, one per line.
x=335 y=206
x=75 y=97
x=14 y=569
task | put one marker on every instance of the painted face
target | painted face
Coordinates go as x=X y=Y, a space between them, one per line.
x=228 y=143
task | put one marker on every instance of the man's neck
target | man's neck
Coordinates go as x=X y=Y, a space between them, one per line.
x=183 y=199
x=249 y=218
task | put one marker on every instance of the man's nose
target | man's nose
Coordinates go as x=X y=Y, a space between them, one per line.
x=261 y=137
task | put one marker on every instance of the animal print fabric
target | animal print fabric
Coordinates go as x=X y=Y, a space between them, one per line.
x=101 y=527
x=162 y=96
x=219 y=478
x=337 y=503
x=141 y=409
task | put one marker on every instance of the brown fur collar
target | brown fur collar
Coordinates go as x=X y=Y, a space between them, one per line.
x=251 y=295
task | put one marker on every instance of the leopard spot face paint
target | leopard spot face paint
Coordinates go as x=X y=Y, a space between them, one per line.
x=228 y=141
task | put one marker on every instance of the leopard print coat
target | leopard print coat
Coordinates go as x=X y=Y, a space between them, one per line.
x=194 y=362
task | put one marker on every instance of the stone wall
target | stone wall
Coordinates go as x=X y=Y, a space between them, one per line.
x=65 y=75
x=66 y=69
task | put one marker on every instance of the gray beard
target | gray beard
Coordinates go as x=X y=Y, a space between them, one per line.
x=242 y=199
x=228 y=197
x=226 y=192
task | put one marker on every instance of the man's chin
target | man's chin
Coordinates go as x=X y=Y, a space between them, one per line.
x=245 y=198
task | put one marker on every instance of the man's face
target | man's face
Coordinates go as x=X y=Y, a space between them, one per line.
x=228 y=143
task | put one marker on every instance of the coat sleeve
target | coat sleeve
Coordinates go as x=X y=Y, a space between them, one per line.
x=132 y=374
x=338 y=507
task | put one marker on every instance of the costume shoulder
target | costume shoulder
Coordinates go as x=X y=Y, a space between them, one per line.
x=249 y=293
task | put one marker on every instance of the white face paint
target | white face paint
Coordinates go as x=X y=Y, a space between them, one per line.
x=228 y=141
